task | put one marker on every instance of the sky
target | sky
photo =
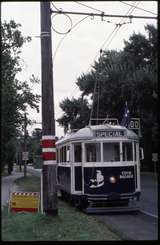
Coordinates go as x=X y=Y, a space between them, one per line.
x=73 y=53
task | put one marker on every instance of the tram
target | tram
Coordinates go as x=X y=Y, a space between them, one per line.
x=99 y=168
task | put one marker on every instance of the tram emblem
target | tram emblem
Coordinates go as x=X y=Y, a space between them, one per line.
x=99 y=181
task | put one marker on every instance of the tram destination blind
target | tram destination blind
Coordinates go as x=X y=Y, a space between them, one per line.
x=109 y=133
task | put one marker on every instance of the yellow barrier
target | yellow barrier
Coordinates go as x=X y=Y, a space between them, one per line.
x=24 y=201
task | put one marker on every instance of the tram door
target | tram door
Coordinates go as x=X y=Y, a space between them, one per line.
x=77 y=167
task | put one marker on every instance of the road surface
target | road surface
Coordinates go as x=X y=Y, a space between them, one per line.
x=144 y=224
x=7 y=186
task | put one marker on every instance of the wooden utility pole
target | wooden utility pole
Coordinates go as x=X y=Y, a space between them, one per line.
x=49 y=170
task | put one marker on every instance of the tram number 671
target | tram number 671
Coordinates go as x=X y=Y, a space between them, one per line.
x=134 y=123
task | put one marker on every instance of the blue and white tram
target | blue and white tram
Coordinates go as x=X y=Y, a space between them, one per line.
x=99 y=167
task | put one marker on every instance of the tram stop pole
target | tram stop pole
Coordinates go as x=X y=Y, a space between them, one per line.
x=49 y=197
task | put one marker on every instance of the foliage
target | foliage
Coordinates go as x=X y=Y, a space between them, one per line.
x=35 y=148
x=76 y=113
x=128 y=75
x=16 y=95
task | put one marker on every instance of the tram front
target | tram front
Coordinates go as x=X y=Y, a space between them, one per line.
x=111 y=168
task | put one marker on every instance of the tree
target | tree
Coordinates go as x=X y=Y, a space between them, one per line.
x=35 y=147
x=16 y=95
x=76 y=113
x=128 y=75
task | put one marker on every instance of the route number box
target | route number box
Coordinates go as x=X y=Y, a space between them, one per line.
x=134 y=123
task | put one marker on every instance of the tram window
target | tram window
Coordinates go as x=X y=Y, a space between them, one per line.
x=57 y=155
x=67 y=156
x=111 y=152
x=64 y=153
x=77 y=152
x=61 y=154
x=135 y=155
x=127 y=151
x=92 y=152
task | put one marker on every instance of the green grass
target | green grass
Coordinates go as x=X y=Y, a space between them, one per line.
x=29 y=183
x=70 y=224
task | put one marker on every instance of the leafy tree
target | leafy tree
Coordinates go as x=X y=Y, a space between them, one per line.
x=128 y=75
x=76 y=113
x=16 y=95
x=34 y=143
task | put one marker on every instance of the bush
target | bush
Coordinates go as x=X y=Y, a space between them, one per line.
x=37 y=161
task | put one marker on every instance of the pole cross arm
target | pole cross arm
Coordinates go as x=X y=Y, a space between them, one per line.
x=104 y=15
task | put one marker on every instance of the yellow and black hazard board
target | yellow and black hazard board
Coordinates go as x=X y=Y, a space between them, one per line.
x=24 y=201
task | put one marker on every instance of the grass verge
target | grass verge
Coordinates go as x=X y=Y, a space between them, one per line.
x=70 y=224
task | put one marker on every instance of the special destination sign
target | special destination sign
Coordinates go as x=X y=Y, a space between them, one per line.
x=109 y=133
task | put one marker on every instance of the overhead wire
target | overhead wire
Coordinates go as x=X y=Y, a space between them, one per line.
x=55 y=6
x=65 y=35
x=62 y=39
x=120 y=24
x=110 y=36
x=138 y=8
x=96 y=82
x=89 y=7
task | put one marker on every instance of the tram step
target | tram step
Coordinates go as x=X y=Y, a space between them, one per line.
x=111 y=209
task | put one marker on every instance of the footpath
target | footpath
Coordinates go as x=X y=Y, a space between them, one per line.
x=9 y=186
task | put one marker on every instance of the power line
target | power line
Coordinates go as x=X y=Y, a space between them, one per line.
x=112 y=35
x=102 y=15
x=88 y=6
x=117 y=25
x=58 y=46
x=138 y=8
x=55 y=6
x=130 y=11
x=97 y=82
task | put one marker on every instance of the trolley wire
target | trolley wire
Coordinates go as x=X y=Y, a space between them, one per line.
x=65 y=35
x=138 y=8
x=116 y=29
x=96 y=82
x=110 y=37
x=55 y=6
x=89 y=7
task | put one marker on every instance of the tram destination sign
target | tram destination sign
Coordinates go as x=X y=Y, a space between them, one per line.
x=109 y=133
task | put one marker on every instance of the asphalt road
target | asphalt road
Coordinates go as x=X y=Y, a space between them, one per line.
x=131 y=226
x=144 y=224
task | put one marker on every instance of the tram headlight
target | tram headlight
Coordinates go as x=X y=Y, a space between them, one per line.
x=112 y=179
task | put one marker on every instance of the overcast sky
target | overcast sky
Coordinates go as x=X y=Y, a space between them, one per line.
x=80 y=47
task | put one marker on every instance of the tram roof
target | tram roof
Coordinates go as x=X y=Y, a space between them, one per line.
x=87 y=133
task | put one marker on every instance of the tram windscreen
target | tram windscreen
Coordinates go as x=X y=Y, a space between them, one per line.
x=77 y=152
x=127 y=151
x=111 y=152
x=92 y=152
